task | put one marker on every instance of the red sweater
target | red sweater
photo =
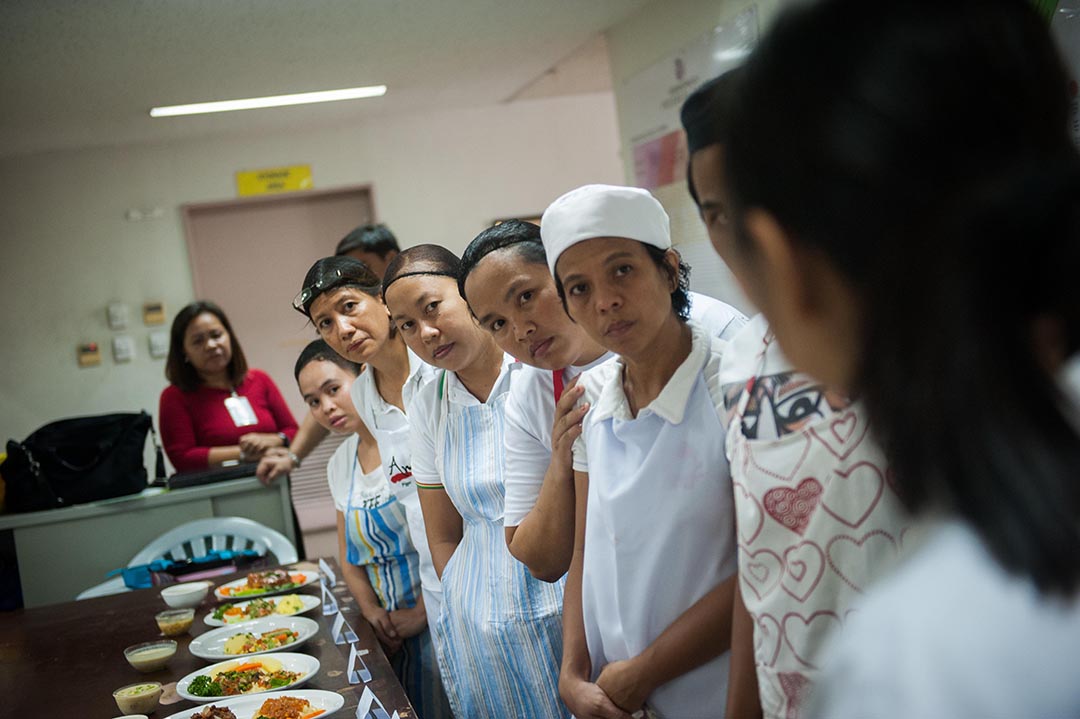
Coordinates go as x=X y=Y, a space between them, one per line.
x=194 y=422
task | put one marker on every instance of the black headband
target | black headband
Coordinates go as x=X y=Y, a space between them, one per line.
x=416 y=273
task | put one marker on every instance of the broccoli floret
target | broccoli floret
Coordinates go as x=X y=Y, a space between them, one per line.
x=201 y=686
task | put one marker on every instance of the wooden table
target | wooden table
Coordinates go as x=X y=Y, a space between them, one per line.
x=65 y=660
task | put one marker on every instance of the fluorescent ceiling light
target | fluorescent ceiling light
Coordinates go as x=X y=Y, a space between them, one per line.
x=253 y=103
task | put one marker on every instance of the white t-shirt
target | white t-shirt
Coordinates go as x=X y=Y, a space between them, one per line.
x=717 y=318
x=530 y=416
x=369 y=489
x=530 y=411
x=952 y=634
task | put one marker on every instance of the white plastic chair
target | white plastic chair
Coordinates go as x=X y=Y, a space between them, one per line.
x=197 y=539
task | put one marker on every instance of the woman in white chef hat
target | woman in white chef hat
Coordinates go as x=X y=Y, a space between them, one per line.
x=647 y=615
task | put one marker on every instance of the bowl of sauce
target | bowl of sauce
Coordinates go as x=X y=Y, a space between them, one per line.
x=173 y=622
x=138 y=698
x=150 y=656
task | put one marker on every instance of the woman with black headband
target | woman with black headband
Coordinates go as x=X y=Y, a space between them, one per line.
x=343 y=300
x=499 y=634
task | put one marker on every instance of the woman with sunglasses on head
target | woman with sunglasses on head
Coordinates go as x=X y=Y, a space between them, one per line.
x=378 y=560
x=499 y=632
x=907 y=217
x=343 y=300
x=649 y=594
x=511 y=292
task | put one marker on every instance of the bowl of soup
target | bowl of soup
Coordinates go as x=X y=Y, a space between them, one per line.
x=173 y=622
x=182 y=596
x=150 y=656
x=141 y=698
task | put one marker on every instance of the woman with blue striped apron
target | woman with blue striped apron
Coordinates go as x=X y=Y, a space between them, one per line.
x=378 y=540
x=379 y=561
x=499 y=632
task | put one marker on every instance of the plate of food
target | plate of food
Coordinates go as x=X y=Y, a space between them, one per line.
x=301 y=704
x=261 y=584
x=287 y=606
x=254 y=675
x=259 y=636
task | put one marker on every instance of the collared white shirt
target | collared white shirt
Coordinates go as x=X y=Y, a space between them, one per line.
x=717 y=318
x=530 y=416
x=426 y=413
x=604 y=391
x=377 y=413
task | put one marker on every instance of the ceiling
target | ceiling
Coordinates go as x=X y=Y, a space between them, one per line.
x=80 y=73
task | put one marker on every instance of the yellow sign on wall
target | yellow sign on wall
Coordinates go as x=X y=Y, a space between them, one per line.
x=274 y=179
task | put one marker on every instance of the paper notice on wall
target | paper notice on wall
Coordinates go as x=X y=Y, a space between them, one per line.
x=650 y=101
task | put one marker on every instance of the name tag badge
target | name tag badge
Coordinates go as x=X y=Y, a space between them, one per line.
x=240 y=410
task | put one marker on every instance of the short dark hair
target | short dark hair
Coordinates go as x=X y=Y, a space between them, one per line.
x=182 y=373
x=422 y=260
x=680 y=296
x=330 y=273
x=706 y=115
x=319 y=351
x=521 y=237
x=377 y=239
x=913 y=156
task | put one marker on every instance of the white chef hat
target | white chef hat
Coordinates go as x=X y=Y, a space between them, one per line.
x=603 y=211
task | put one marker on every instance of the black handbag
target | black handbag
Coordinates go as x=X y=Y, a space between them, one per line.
x=79 y=460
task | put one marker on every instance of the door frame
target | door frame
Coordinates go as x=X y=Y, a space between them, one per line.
x=187 y=210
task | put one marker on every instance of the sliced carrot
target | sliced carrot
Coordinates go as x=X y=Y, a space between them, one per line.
x=313 y=714
x=249 y=665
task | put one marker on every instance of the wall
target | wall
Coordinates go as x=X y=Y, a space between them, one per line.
x=659 y=29
x=440 y=177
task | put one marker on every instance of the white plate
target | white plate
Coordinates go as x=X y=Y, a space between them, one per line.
x=245 y=707
x=308 y=667
x=310 y=602
x=310 y=577
x=212 y=644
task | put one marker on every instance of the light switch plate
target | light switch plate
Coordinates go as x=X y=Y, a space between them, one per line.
x=159 y=344
x=123 y=348
x=117 y=313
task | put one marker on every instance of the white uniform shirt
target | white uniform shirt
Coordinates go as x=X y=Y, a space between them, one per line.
x=661 y=528
x=952 y=634
x=390 y=427
x=426 y=415
x=370 y=488
x=530 y=416
x=530 y=411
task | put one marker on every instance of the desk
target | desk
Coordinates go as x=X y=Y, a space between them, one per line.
x=65 y=660
x=64 y=551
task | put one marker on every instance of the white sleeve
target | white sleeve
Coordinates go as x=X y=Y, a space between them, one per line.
x=526 y=456
x=423 y=423
x=337 y=472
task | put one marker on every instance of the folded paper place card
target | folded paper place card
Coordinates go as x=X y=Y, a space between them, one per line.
x=329 y=601
x=341 y=631
x=371 y=708
x=328 y=573
x=358 y=671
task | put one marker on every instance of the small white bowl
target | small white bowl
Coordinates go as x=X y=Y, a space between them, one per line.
x=184 y=596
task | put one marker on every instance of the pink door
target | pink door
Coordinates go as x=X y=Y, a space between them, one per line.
x=249 y=256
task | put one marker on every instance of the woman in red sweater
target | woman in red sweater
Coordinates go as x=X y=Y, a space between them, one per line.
x=216 y=409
